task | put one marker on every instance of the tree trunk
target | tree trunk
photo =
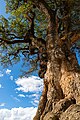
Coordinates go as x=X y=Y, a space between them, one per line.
x=62 y=78
x=61 y=87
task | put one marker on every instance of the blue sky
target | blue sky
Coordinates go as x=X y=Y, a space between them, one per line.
x=18 y=95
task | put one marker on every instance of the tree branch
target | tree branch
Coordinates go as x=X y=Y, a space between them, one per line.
x=43 y=6
x=18 y=50
x=14 y=36
x=37 y=42
x=11 y=42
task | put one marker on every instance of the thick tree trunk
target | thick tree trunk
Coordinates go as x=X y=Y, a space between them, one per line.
x=66 y=92
x=62 y=78
x=61 y=84
x=61 y=88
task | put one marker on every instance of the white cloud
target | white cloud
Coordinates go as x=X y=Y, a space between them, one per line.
x=33 y=96
x=34 y=99
x=18 y=113
x=30 y=84
x=11 y=77
x=8 y=71
x=2 y=104
x=21 y=95
x=35 y=102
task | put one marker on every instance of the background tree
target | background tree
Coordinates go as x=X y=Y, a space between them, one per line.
x=46 y=33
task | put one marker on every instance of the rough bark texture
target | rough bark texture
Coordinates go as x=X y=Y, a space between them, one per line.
x=61 y=91
x=60 y=98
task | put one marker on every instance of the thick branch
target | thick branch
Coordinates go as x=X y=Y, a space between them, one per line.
x=71 y=38
x=43 y=6
x=11 y=42
x=37 y=42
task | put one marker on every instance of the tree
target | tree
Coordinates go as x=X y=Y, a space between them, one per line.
x=50 y=30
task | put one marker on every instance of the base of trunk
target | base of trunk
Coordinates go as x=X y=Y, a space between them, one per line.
x=59 y=97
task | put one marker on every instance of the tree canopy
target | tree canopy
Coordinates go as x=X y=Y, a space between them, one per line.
x=24 y=33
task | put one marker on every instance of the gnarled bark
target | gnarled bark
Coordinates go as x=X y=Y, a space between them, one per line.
x=62 y=78
x=61 y=88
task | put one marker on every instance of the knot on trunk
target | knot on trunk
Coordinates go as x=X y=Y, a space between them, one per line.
x=58 y=53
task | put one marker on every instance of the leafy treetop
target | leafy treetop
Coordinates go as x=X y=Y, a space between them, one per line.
x=25 y=31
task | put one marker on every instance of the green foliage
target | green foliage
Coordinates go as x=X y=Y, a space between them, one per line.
x=12 y=5
x=10 y=54
x=15 y=28
x=19 y=24
x=40 y=24
x=23 y=9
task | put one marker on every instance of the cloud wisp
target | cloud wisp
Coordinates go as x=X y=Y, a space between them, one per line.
x=2 y=104
x=21 y=95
